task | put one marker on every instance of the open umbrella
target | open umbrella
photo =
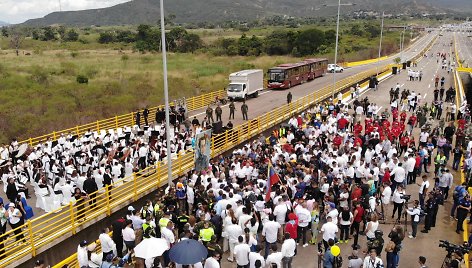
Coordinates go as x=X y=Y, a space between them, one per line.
x=188 y=252
x=150 y=248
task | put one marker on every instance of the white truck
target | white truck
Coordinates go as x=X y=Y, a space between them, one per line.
x=245 y=83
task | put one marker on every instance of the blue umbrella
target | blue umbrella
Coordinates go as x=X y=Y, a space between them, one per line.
x=188 y=252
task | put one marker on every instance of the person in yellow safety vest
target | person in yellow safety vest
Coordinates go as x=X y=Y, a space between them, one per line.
x=164 y=220
x=439 y=161
x=282 y=131
x=206 y=233
x=148 y=228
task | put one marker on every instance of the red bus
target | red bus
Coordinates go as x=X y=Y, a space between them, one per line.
x=288 y=75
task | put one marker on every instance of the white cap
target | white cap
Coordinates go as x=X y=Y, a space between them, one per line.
x=131 y=208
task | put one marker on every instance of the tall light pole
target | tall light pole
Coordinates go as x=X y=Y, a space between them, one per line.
x=166 y=93
x=336 y=47
x=402 y=43
x=380 y=45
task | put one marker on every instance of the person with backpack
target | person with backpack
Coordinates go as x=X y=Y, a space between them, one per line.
x=459 y=192
x=345 y=220
x=415 y=213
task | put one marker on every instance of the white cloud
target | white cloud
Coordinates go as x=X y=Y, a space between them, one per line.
x=17 y=11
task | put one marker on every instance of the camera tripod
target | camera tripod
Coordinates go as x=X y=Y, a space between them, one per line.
x=405 y=216
x=447 y=260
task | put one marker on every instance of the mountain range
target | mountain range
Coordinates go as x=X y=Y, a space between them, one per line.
x=192 y=11
x=2 y=23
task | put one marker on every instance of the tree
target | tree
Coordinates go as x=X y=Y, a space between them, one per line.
x=148 y=38
x=175 y=37
x=48 y=34
x=356 y=30
x=4 y=31
x=35 y=34
x=106 y=37
x=279 y=42
x=190 y=43
x=308 y=42
x=125 y=36
x=372 y=30
x=16 y=39
x=61 y=30
x=71 y=36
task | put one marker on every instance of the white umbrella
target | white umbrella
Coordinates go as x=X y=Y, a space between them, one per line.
x=150 y=248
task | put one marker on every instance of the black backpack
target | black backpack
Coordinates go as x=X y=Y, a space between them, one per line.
x=345 y=215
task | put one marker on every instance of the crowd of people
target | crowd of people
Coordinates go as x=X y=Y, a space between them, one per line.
x=59 y=169
x=331 y=174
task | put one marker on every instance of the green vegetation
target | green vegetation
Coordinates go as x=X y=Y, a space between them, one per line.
x=79 y=75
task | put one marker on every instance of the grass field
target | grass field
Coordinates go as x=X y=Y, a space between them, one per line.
x=40 y=94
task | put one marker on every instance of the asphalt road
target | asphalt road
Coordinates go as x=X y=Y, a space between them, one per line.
x=464 y=48
x=270 y=99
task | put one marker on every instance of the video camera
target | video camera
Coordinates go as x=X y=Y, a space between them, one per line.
x=450 y=247
x=405 y=197
x=320 y=247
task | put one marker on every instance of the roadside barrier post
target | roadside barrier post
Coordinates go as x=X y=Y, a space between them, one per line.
x=72 y=218
x=135 y=194
x=107 y=190
x=30 y=233
x=116 y=122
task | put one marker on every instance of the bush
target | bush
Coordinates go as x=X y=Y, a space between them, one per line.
x=74 y=54
x=82 y=79
x=124 y=57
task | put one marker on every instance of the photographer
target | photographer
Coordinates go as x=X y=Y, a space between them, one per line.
x=415 y=217
x=398 y=201
x=372 y=261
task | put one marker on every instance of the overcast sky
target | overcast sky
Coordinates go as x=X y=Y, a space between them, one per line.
x=17 y=11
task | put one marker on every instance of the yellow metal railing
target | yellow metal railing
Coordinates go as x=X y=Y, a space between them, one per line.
x=68 y=220
x=193 y=103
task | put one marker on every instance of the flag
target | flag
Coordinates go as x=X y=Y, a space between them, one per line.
x=272 y=178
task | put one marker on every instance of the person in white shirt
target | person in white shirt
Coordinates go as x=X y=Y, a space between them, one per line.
x=212 y=261
x=280 y=212
x=129 y=236
x=386 y=195
x=372 y=261
x=107 y=243
x=415 y=213
x=399 y=173
x=241 y=252
x=398 y=201
x=269 y=232
x=256 y=256
x=233 y=231
x=329 y=230
x=423 y=189
x=275 y=257
x=304 y=218
x=288 y=251
x=82 y=254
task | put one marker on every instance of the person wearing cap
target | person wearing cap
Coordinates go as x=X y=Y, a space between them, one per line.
x=108 y=261
x=82 y=254
x=181 y=194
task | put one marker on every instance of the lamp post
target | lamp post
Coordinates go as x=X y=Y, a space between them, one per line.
x=380 y=45
x=336 y=46
x=166 y=93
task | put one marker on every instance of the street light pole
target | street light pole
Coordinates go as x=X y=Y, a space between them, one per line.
x=402 y=40
x=166 y=93
x=380 y=45
x=336 y=51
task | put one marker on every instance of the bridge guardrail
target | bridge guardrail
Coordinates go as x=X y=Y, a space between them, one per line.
x=193 y=103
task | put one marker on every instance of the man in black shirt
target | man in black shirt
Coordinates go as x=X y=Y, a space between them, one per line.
x=91 y=188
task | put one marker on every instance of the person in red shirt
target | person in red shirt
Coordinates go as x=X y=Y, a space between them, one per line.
x=357 y=128
x=386 y=177
x=355 y=226
x=403 y=117
x=300 y=121
x=461 y=123
x=357 y=141
x=418 y=164
x=342 y=123
x=412 y=122
x=404 y=141
x=402 y=127
x=291 y=226
x=367 y=122
x=369 y=129
x=394 y=115
x=386 y=124
x=337 y=140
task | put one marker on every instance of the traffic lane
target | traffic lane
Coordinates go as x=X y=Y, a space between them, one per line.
x=464 y=48
x=270 y=99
